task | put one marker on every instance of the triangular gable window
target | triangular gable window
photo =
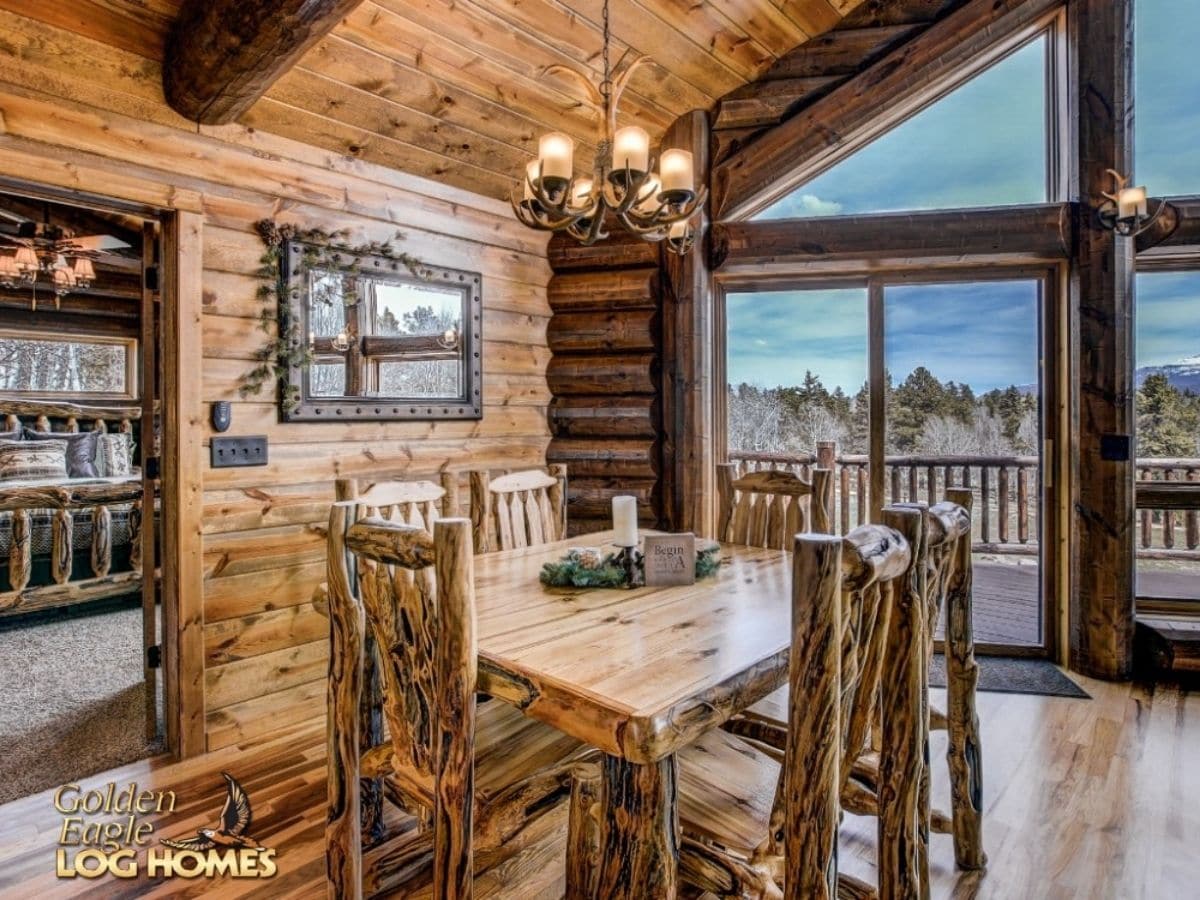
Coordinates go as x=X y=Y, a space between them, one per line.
x=983 y=144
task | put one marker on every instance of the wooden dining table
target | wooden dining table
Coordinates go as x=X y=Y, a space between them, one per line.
x=637 y=673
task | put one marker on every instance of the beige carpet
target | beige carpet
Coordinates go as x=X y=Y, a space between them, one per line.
x=73 y=700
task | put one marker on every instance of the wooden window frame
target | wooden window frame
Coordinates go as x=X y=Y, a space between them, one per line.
x=1052 y=26
x=367 y=350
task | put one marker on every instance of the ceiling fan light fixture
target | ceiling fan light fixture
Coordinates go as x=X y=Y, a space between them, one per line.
x=85 y=272
x=27 y=259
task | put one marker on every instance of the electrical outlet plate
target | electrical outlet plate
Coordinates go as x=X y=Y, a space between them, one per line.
x=231 y=452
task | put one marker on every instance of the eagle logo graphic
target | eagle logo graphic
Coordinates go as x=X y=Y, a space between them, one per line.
x=230 y=831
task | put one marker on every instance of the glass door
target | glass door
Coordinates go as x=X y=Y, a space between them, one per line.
x=964 y=405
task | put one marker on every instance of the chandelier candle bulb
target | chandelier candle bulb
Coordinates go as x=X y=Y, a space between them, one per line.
x=581 y=193
x=556 y=152
x=676 y=170
x=531 y=178
x=625 y=521
x=631 y=149
x=1131 y=203
x=678 y=231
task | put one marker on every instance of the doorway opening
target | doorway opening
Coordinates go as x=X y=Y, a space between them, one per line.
x=81 y=640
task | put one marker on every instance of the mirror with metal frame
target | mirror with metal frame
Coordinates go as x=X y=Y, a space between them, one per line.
x=386 y=344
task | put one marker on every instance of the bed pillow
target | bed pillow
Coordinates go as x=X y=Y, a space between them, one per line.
x=114 y=455
x=28 y=460
x=80 y=450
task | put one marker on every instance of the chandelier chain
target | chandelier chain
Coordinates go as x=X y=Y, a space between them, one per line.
x=606 y=84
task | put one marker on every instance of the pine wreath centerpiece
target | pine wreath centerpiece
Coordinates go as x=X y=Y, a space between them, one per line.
x=592 y=567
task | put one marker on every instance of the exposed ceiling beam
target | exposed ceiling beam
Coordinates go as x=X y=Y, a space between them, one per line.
x=1041 y=232
x=223 y=55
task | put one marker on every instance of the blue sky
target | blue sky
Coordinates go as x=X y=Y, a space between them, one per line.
x=982 y=334
x=1168 y=317
x=983 y=144
x=1167 y=96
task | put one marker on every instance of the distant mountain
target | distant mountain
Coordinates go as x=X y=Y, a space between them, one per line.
x=1183 y=375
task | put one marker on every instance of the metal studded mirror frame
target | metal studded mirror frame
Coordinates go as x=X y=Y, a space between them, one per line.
x=469 y=402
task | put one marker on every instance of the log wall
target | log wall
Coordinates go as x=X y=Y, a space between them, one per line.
x=606 y=415
x=104 y=128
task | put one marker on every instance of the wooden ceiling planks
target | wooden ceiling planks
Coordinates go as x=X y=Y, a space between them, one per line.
x=457 y=90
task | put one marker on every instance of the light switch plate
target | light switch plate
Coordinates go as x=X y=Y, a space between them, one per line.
x=231 y=452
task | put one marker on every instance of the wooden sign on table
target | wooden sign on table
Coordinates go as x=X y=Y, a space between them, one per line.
x=669 y=559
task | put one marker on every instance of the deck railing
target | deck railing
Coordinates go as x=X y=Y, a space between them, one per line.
x=1006 y=516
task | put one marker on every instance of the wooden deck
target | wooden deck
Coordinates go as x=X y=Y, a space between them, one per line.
x=1006 y=596
x=1083 y=799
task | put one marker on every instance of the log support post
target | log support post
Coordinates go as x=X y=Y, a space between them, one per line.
x=689 y=457
x=1102 y=596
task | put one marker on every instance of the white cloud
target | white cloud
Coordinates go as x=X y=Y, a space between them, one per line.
x=815 y=206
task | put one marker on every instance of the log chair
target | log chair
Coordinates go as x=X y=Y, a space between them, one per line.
x=765 y=508
x=948 y=594
x=760 y=815
x=473 y=780
x=521 y=509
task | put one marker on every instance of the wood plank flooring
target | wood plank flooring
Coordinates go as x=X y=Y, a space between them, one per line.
x=1090 y=799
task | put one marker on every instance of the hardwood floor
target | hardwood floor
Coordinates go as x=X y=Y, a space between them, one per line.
x=1095 y=799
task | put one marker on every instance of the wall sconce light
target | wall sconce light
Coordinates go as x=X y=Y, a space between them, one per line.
x=1126 y=209
x=448 y=339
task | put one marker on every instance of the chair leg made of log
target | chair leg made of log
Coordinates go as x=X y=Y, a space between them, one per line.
x=964 y=754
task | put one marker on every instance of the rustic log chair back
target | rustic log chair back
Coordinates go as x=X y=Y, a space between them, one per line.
x=766 y=508
x=427 y=623
x=472 y=778
x=950 y=585
x=858 y=619
x=521 y=509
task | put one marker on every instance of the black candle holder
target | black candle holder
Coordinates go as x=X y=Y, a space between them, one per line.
x=628 y=560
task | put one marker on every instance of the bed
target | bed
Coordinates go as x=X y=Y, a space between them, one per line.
x=67 y=541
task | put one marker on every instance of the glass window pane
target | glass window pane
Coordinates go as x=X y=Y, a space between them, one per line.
x=431 y=378
x=326 y=309
x=1167 y=404
x=963 y=403
x=327 y=379
x=415 y=309
x=984 y=144
x=797 y=371
x=71 y=367
x=1167 y=96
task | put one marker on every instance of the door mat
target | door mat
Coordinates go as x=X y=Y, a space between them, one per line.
x=1002 y=675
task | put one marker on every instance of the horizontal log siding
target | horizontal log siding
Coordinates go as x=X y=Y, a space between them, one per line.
x=605 y=335
x=104 y=128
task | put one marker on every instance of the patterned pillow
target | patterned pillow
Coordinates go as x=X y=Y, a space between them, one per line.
x=26 y=460
x=114 y=455
x=80 y=447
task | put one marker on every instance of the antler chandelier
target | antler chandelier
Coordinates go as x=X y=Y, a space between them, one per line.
x=655 y=205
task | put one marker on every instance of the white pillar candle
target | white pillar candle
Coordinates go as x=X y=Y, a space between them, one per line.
x=631 y=148
x=676 y=170
x=625 y=521
x=557 y=154
x=1131 y=202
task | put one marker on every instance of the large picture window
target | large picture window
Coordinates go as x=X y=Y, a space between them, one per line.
x=52 y=364
x=983 y=144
